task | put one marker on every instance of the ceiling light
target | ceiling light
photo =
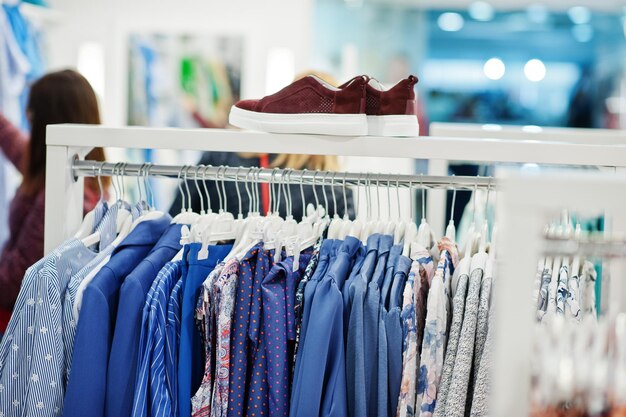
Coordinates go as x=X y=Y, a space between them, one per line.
x=579 y=15
x=535 y=70
x=481 y=10
x=450 y=22
x=537 y=13
x=494 y=69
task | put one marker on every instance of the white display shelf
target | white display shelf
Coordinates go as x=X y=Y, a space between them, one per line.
x=446 y=148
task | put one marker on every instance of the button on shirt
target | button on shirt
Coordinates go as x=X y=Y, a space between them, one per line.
x=125 y=346
x=32 y=365
x=191 y=358
x=87 y=384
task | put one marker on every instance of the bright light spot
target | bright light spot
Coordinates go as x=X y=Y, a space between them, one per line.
x=579 y=15
x=535 y=70
x=532 y=129
x=90 y=63
x=582 y=33
x=481 y=10
x=492 y=127
x=530 y=168
x=494 y=69
x=537 y=13
x=450 y=22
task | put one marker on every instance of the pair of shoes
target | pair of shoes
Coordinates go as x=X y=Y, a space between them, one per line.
x=359 y=107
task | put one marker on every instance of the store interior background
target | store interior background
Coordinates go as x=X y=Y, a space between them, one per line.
x=546 y=63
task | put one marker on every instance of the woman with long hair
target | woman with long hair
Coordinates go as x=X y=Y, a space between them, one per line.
x=58 y=97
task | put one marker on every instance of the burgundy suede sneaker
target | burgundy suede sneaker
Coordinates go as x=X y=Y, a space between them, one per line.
x=392 y=112
x=308 y=105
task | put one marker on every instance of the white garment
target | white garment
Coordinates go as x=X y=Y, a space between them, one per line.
x=81 y=288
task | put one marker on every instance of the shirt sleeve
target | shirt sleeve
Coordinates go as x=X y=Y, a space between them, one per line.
x=12 y=142
x=24 y=250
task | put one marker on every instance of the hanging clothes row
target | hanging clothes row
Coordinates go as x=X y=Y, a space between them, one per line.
x=208 y=314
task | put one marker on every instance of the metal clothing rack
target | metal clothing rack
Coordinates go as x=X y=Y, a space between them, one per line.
x=64 y=194
x=276 y=175
x=524 y=204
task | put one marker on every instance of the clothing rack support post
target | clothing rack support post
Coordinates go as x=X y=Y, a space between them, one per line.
x=513 y=347
x=436 y=199
x=525 y=203
x=64 y=195
x=615 y=224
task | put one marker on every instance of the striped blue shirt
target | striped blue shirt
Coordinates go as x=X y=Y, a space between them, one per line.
x=107 y=228
x=172 y=341
x=152 y=394
x=33 y=351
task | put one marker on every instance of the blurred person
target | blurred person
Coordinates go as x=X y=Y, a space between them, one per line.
x=58 y=97
x=310 y=162
x=580 y=113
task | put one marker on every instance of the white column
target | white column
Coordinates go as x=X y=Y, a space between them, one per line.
x=64 y=197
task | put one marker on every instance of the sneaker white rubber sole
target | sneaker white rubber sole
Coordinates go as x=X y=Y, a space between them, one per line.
x=393 y=125
x=306 y=123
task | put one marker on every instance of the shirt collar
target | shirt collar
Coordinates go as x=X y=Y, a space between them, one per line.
x=146 y=232
x=170 y=238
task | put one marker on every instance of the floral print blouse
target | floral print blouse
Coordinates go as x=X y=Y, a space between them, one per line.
x=412 y=316
x=436 y=329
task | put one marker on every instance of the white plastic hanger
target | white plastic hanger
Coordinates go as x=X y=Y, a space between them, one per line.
x=149 y=214
x=484 y=235
x=271 y=229
x=369 y=223
x=451 y=228
x=206 y=216
x=336 y=224
x=390 y=223
x=472 y=237
x=223 y=227
x=400 y=225
x=424 y=232
x=347 y=223
x=86 y=227
x=306 y=231
x=186 y=216
x=577 y=262
x=321 y=214
x=410 y=233
x=122 y=213
x=356 y=228
x=250 y=233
